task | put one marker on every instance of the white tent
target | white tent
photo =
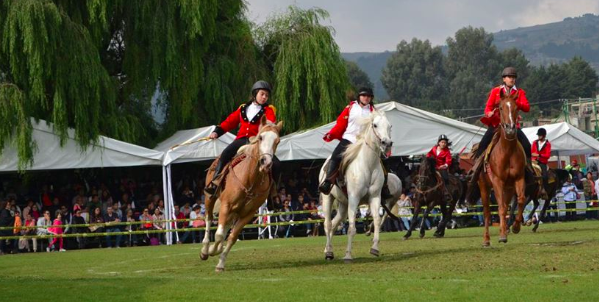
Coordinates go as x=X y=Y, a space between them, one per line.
x=565 y=139
x=188 y=145
x=414 y=132
x=50 y=155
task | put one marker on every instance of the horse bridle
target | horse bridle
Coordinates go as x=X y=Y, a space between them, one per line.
x=380 y=143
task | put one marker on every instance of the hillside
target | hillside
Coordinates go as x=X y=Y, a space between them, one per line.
x=542 y=44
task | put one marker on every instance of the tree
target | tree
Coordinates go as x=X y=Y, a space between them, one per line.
x=357 y=77
x=310 y=78
x=581 y=79
x=95 y=66
x=414 y=73
x=472 y=66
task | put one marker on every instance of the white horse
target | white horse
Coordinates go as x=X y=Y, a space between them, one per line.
x=364 y=180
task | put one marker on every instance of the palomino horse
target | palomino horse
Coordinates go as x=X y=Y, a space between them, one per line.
x=557 y=178
x=430 y=193
x=504 y=171
x=363 y=175
x=246 y=186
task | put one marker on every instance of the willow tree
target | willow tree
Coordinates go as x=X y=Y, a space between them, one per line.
x=95 y=65
x=310 y=78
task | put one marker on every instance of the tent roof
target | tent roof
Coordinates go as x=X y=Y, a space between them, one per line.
x=414 y=132
x=50 y=155
x=565 y=139
x=188 y=146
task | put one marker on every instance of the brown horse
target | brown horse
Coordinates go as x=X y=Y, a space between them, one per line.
x=504 y=171
x=246 y=187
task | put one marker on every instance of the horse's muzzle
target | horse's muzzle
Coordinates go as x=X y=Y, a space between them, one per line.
x=265 y=163
x=510 y=129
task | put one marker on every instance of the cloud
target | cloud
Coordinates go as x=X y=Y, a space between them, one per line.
x=380 y=25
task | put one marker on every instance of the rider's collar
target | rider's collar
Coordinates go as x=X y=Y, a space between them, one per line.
x=364 y=106
x=505 y=88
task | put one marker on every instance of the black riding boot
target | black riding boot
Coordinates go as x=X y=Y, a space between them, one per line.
x=211 y=188
x=326 y=186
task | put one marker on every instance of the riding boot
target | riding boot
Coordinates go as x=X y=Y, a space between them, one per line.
x=211 y=188
x=528 y=172
x=326 y=186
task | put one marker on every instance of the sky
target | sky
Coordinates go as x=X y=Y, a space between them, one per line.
x=379 y=25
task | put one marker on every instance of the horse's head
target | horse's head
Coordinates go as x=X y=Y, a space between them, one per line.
x=508 y=113
x=425 y=172
x=268 y=140
x=382 y=130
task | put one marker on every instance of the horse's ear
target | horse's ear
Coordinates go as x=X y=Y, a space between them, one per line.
x=263 y=120
x=280 y=125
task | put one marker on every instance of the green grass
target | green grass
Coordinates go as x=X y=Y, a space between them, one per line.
x=559 y=263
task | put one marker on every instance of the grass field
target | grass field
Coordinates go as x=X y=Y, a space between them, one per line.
x=559 y=263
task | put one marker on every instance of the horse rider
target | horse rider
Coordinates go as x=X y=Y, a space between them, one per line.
x=492 y=120
x=346 y=130
x=247 y=116
x=441 y=153
x=541 y=151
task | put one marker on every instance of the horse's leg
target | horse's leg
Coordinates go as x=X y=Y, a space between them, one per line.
x=531 y=215
x=424 y=218
x=206 y=242
x=219 y=236
x=375 y=204
x=351 y=232
x=542 y=215
x=413 y=223
x=327 y=203
x=512 y=210
x=520 y=188
x=231 y=241
x=484 y=195
x=503 y=199
x=440 y=232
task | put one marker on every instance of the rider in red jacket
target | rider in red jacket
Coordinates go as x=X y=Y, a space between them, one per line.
x=346 y=130
x=247 y=116
x=441 y=153
x=541 y=151
x=491 y=118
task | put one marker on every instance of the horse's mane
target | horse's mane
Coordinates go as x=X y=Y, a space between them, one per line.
x=430 y=164
x=352 y=151
x=247 y=149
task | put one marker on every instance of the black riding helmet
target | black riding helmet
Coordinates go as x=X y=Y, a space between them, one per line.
x=365 y=91
x=260 y=85
x=443 y=137
x=509 y=71
x=542 y=132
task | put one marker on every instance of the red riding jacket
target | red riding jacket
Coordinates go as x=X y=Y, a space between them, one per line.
x=342 y=121
x=248 y=128
x=544 y=153
x=493 y=102
x=444 y=157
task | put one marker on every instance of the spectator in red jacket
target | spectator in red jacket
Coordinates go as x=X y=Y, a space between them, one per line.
x=346 y=130
x=442 y=155
x=247 y=116
x=491 y=118
x=541 y=151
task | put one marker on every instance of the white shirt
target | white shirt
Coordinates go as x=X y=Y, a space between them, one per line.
x=541 y=144
x=597 y=186
x=252 y=110
x=353 y=128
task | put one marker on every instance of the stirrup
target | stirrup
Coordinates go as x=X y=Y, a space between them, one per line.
x=325 y=187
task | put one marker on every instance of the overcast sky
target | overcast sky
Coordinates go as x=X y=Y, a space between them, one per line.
x=379 y=25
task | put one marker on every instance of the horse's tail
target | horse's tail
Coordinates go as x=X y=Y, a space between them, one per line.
x=464 y=190
x=472 y=193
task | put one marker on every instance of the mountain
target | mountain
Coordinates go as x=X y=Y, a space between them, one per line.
x=542 y=44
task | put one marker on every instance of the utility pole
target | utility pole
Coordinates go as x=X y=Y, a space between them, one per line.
x=566 y=111
x=595 y=113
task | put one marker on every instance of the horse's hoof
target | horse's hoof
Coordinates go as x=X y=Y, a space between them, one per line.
x=503 y=240
x=437 y=235
x=487 y=244
x=515 y=229
x=421 y=236
x=405 y=237
x=367 y=234
x=203 y=256
x=374 y=252
x=219 y=269
x=534 y=229
x=329 y=256
x=348 y=260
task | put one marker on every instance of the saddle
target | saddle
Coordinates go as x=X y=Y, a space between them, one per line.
x=219 y=181
x=337 y=178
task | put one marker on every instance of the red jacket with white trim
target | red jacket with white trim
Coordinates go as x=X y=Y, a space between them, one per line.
x=493 y=102
x=342 y=120
x=248 y=128
x=544 y=153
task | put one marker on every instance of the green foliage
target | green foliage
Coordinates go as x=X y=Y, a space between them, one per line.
x=581 y=79
x=310 y=78
x=357 y=77
x=16 y=125
x=414 y=74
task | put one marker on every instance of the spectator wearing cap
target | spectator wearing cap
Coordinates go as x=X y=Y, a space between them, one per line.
x=570 y=197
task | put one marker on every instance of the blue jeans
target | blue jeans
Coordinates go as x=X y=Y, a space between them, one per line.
x=406 y=222
x=118 y=237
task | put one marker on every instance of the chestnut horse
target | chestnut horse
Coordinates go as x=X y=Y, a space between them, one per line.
x=246 y=187
x=504 y=171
